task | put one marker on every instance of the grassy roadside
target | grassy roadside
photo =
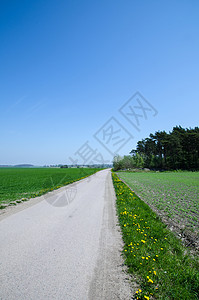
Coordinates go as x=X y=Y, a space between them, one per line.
x=162 y=265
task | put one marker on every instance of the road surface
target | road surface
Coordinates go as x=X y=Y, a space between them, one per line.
x=65 y=245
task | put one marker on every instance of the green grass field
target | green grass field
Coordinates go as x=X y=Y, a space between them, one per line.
x=163 y=268
x=25 y=183
x=173 y=194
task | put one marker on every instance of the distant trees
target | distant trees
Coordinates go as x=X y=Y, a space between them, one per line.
x=64 y=166
x=128 y=162
x=178 y=149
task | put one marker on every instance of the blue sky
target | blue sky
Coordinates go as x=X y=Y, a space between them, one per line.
x=67 y=67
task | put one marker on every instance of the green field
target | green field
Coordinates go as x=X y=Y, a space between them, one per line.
x=25 y=183
x=172 y=194
x=161 y=265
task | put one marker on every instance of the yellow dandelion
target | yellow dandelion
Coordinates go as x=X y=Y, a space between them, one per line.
x=150 y=281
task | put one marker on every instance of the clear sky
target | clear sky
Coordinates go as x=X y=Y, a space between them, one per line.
x=67 y=67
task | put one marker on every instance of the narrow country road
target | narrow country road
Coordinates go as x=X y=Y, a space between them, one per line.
x=66 y=245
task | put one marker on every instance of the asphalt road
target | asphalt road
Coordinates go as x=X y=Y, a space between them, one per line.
x=65 y=245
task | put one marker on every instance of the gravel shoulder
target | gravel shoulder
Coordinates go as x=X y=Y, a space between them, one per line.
x=110 y=279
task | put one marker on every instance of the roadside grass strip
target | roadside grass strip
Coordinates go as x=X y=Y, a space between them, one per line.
x=164 y=268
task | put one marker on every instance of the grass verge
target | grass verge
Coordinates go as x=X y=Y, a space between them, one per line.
x=162 y=265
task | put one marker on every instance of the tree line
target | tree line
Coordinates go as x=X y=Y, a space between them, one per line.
x=178 y=149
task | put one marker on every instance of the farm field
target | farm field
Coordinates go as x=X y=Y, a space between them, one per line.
x=174 y=195
x=25 y=183
x=161 y=265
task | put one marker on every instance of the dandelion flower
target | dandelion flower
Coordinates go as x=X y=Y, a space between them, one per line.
x=150 y=281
